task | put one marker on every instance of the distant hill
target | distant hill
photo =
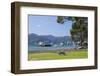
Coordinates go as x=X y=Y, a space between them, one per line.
x=34 y=39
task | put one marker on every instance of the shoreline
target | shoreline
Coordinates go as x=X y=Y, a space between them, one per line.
x=57 y=50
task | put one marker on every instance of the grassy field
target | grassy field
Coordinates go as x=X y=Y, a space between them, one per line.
x=53 y=55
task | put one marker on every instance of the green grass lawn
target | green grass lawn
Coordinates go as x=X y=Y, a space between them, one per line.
x=72 y=54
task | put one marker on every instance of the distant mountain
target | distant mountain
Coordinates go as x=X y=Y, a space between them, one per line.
x=34 y=39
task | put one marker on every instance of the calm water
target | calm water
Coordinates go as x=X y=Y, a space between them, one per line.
x=39 y=48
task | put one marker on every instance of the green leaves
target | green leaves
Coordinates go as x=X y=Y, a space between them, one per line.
x=79 y=31
x=60 y=19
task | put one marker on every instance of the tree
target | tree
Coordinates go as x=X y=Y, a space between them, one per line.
x=79 y=28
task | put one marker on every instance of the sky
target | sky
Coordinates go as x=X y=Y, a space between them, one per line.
x=47 y=25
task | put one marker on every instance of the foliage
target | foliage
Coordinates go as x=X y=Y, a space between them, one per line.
x=79 y=28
